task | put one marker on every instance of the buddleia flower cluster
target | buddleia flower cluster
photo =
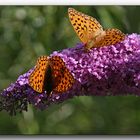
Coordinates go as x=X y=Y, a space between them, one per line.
x=105 y=71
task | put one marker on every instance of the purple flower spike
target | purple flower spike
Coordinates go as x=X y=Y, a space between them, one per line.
x=109 y=70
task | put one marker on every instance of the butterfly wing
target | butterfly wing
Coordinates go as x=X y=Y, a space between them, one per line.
x=63 y=79
x=66 y=82
x=85 y=26
x=37 y=77
x=111 y=37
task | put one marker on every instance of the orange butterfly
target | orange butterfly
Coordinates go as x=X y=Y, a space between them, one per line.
x=51 y=74
x=90 y=31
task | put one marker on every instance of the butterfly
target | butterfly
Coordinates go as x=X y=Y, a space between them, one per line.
x=90 y=31
x=51 y=74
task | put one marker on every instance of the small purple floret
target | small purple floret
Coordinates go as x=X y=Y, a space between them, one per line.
x=109 y=70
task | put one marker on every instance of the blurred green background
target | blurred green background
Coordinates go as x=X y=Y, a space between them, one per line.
x=26 y=32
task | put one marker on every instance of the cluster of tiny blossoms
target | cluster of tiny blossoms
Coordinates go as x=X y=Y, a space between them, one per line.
x=109 y=70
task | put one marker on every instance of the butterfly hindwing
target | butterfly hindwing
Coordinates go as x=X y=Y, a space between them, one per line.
x=37 y=77
x=111 y=37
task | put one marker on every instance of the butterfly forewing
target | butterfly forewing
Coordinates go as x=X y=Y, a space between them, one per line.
x=65 y=82
x=85 y=26
x=37 y=77
x=62 y=77
x=111 y=37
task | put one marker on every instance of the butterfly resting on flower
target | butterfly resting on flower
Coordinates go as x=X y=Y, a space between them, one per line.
x=90 y=31
x=51 y=74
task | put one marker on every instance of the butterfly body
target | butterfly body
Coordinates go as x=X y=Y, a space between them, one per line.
x=90 y=31
x=51 y=74
x=94 y=39
x=48 y=84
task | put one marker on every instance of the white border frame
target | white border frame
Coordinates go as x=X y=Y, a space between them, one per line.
x=70 y=2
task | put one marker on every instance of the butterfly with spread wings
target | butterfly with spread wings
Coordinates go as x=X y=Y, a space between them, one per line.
x=51 y=74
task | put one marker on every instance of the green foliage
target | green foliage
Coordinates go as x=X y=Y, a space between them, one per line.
x=27 y=32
